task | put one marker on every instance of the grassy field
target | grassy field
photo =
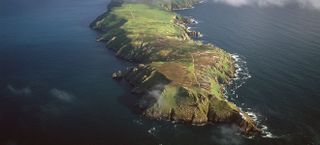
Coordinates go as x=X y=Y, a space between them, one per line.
x=140 y=31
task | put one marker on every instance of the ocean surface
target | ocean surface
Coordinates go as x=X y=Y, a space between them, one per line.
x=56 y=86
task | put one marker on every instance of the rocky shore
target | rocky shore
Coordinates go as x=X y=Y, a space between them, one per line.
x=176 y=78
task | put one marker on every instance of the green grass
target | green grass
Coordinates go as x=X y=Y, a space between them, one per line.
x=144 y=21
x=189 y=70
x=167 y=100
x=216 y=89
x=144 y=32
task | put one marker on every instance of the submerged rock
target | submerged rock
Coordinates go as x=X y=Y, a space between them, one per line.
x=194 y=34
x=117 y=75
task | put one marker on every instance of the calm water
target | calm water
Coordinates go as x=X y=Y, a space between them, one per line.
x=55 y=85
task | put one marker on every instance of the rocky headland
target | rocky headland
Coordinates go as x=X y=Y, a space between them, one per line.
x=176 y=78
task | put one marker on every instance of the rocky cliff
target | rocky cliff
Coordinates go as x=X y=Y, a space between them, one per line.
x=178 y=78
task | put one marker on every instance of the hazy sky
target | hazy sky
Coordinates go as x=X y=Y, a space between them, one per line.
x=315 y=4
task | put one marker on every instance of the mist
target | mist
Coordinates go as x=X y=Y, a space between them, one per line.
x=226 y=135
x=62 y=95
x=312 y=4
x=23 y=91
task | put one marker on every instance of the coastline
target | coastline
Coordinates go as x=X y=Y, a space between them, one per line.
x=155 y=80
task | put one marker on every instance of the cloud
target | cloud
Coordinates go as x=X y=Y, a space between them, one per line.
x=23 y=91
x=152 y=96
x=314 y=4
x=62 y=95
x=226 y=135
x=156 y=91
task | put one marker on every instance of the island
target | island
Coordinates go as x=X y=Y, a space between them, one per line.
x=176 y=77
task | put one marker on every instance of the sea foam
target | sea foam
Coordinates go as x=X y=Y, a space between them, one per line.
x=241 y=76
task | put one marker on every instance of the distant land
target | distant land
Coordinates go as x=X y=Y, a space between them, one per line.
x=176 y=77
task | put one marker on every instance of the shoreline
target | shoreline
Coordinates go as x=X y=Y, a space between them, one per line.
x=171 y=77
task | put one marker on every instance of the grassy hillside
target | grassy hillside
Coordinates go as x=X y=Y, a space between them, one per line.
x=181 y=79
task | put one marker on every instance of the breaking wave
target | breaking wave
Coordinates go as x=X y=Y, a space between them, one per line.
x=241 y=76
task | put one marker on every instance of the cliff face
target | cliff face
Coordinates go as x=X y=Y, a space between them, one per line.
x=180 y=79
x=189 y=92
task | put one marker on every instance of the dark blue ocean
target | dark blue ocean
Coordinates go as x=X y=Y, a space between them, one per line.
x=56 y=89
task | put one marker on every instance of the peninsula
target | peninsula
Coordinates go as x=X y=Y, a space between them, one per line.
x=176 y=78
